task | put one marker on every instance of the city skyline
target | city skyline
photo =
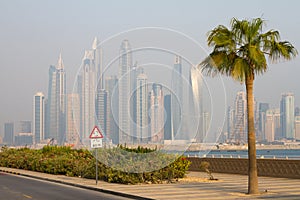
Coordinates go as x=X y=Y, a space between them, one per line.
x=32 y=63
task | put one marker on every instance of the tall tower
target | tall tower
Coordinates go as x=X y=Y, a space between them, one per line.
x=57 y=102
x=73 y=118
x=263 y=107
x=125 y=64
x=87 y=92
x=230 y=123
x=38 y=117
x=196 y=103
x=111 y=84
x=142 y=108
x=240 y=128
x=297 y=127
x=168 y=131
x=177 y=98
x=287 y=119
x=157 y=113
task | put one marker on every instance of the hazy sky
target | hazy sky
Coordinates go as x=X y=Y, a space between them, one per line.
x=34 y=32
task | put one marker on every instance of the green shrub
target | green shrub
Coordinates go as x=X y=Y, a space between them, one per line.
x=130 y=165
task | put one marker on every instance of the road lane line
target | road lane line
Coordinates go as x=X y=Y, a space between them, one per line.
x=27 y=196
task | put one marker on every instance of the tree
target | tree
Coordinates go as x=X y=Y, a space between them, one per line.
x=240 y=52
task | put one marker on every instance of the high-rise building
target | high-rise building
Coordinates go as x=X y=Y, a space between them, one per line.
x=24 y=126
x=297 y=111
x=8 y=133
x=195 y=105
x=177 y=98
x=269 y=126
x=157 y=113
x=142 y=109
x=56 y=110
x=87 y=93
x=297 y=127
x=38 y=117
x=263 y=107
x=287 y=112
x=168 y=131
x=111 y=86
x=73 y=119
x=276 y=117
x=124 y=85
x=230 y=123
x=103 y=113
x=240 y=128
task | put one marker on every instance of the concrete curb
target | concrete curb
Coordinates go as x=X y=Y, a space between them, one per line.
x=131 y=196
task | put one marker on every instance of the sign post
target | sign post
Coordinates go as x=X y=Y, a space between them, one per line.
x=96 y=142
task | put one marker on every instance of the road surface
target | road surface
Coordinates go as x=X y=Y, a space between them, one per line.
x=14 y=187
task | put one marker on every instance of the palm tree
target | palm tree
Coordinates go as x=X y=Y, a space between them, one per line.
x=240 y=52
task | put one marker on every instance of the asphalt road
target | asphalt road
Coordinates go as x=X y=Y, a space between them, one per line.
x=14 y=187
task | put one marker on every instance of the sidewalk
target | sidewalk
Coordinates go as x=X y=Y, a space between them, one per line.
x=228 y=186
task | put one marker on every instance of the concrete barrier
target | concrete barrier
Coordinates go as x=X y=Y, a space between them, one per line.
x=266 y=167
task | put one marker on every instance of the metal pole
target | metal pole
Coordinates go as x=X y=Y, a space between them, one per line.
x=96 y=166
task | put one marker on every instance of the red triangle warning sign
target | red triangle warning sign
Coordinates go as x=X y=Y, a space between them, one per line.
x=96 y=133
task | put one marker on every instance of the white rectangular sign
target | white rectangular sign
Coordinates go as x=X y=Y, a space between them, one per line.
x=96 y=143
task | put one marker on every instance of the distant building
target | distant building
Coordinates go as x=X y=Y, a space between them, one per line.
x=111 y=86
x=177 y=98
x=124 y=86
x=156 y=113
x=142 y=109
x=168 y=131
x=8 y=133
x=287 y=113
x=206 y=124
x=240 y=128
x=73 y=119
x=56 y=110
x=272 y=125
x=297 y=111
x=24 y=139
x=297 y=127
x=102 y=112
x=263 y=107
x=24 y=126
x=38 y=117
x=230 y=123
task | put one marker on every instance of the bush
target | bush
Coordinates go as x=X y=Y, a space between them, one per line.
x=130 y=166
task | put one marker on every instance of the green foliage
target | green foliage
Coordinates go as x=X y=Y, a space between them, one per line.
x=128 y=169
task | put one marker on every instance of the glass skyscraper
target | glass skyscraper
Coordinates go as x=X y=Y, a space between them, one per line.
x=177 y=98
x=56 y=110
x=124 y=85
x=287 y=115
x=38 y=117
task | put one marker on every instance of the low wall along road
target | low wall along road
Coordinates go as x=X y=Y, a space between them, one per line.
x=266 y=167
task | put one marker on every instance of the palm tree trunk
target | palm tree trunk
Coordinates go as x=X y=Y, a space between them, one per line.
x=252 y=167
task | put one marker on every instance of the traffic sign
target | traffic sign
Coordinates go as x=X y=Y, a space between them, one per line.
x=96 y=133
x=96 y=143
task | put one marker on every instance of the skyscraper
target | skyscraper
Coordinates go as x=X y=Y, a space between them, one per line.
x=168 y=131
x=263 y=107
x=124 y=85
x=8 y=133
x=230 y=123
x=142 y=109
x=102 y=112
x=157 y=113
x=56 y=110
x=196 y=104
x=87 y=93
x=287 y=119
x=240 y=128
x=73 y=118
x=38 y=117
x=177 y=98
x=297 y=127
x=111 y=86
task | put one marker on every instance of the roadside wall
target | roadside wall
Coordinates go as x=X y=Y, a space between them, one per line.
x=266 y=167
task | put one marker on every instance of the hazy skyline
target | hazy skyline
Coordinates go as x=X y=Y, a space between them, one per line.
x=33 y=33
